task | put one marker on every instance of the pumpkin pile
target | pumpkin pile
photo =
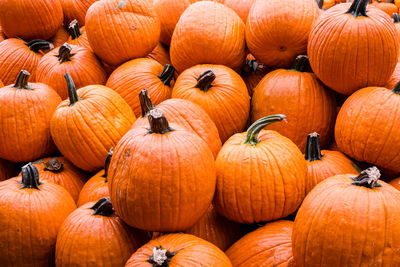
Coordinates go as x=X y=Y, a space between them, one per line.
x=199 y=133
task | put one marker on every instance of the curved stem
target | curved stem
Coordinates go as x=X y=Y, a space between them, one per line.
x=358 y=8
x=53 y=165
x=22 y=80
x=256 y=127
x=396 y=89
x=103 y=207
x=313 y=149
x=160 y=257
x=30 y=177
x=74 y=29
x=167 y=74
x=368 y=178
x=73 y=95
x=107 y=164
x=145 y=102
x=396 y=17
x=204 y=82
x=158 y=123
x=64 y=53
x=301 y=63
x=37 y=45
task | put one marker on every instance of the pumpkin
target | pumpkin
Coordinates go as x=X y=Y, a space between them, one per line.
x=391 y=83
x=368 y=61
x=1 y=84
x=241 y=7
x=152 y=160
x=269 y=245
x=395 y=183
x=261 y=175
x=85 y=126
x=386 y=6
x=17 y=55
x=348 y=221
x=97 y=186
x=7 y=169
x=31 y=212
x=192 y=45
x=94 y=234
x=78 y=35
x=324 y=164
x=397 y=3
x=60 y=38
x=367 y=128
x=178 y=250
x=253 y=72
x=2 y=35
x=75 y=9
x=25 y=113
x=82 y=64
x=298 y=94
x=120 y=30
x=160 y=53
x=60 y=171
x=326 y=4
x=220 y=91
x=278 y=46
x=133 y=76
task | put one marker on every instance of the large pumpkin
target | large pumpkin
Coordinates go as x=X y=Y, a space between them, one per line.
x=78 y=35
x=349 y=221
x=192 y=42
x=31 y=212
x=25 y=113
x=169 y=170
x=94 y=235
x=366 y=36
x=120 y=30
x=7 y=169
x=75 y=9
x=85 y=126
x=260 y=175
x=297 y=93
x=220 y=91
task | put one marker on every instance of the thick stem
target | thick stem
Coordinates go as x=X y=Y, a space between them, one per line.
x=64 y=53
x=204 y=82
x=320 y=3
x=30 y=177
x=396 y=89
x=107 y=164
x=358 y=8
x=73 y=95
x=54 y=165
x=37 y=45
x=158 y=123
x=22 y=80
x=250 y=66
x=167 y=74
x=145 y=102
x=313 y=148
x=396 y=17
x=257 y=126
x=368 y=178
x=103 y=207
x=74 y=29
x=160 y=257
x=301 y=63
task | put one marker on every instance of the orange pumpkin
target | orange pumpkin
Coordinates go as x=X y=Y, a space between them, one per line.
x=253 y=72
x=2 y=35
x=395 y=183
x=269 y=245
x=142 y=73
x=33 y=211
x=75 y=9
x=82 y=64
x=160 y=53
x=386 y=6
x=192 y=43
x=241 y=7
x=391 y=83
x=78 y=35
x=60 y=38
x=261 y=175
x=25 y=113
x=153 y=161
x=7 y=169
x=178 y=250
x=220 y=91
x=85 y=126
x=397 y=3
x=120 y=30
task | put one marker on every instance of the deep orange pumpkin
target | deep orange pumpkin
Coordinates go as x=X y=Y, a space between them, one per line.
x=60 y=38
x=2 y=35
x=395 y=183
x=78 y=35
x=7 y=169
x=161 y=54
x=75 y=9
x=253 y=72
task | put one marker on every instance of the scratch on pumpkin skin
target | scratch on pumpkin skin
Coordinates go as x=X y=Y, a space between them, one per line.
x=121 y=4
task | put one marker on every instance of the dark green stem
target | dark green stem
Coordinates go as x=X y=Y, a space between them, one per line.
x=396 y=17
x=396 y=89
x=368 y=178
x=358 y=8
x=107 y=164
x=64 y=53
x=73 y=95
x=74 y=29
x=167 y=74
x=320 y=3
x=30 y=177
x=313 y=148
x=37 y=45
x=160 y=257
x=145 y=102
x=54 y=165
x=103 y=207
x=158 y=123
x=301 y=63
x=204 y=82
x=256 y=127
x=22 y=80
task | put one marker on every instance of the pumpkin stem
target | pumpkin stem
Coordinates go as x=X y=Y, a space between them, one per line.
x=160 y=257
x=250 y=66
x=53 y=165
x=358 y=8
x=107 y=164
x=320 y=3
x=396 y=17
x=145 y=102
x=73 y=95
x=313 y=148
x=103 y=207
x=301 y=63
x=37 y=45
x=64 y=53
x=158 y=123
x=22 y=80
x=167 y=74
x=368 y=178
x=74 y=29
x=396 y=89
x=30 y=177
x=257 y=126
x=204 y=82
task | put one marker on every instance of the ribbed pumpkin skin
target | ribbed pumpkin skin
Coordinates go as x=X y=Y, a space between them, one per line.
x=192 y=45
x=172 y=177
x=85 y=239
x=226 y=102
x=60 y=37
x=241 y=7
x=160 y=54
x=367 y=128
x=395 y=183
x=117 y=35
x=94 y=189
x=135 y=75
x=278 y=46
x=191 y=117
x=85 y=132
x=81 y=40
x=308 y=105
x=31 y=19
x=84 y=68
x=348 y=225
x=391 y=83
x=75 y=9
x=30 y=220
x=259 y=183
x=269 y=245
x=7 y=169
x=191 y=251
x=25 y=122
x=368 y=61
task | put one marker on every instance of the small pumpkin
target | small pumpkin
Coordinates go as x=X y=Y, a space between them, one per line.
x=60 y=37
x=75 y=9
x=25 y=113
x=178 y=250
x=94 y=233
x=78 y=35
x=220 y=91
x=85 y=126
x=8 y=169
x=161 y=54
x=133 y=76
x=253 y=72
x=31 y=213
x=241 y=7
